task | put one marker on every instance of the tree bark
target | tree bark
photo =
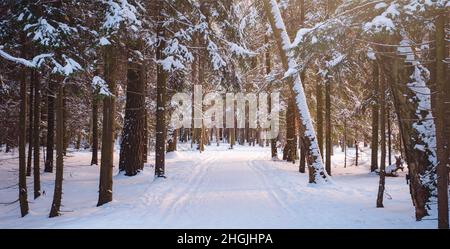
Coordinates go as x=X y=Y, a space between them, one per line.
x=389 y=133
x=344 y=143
x=78 y=140
x=132 y=144
x=201 y=79
x=94 y=149
x=419 y=160
x=172 y=143
x=30 y=124
x=317 y=172
x=273 y=141
x=302 y=167
x=375 y=117
x=50 y=126
x=231 y=136
x=23 y=193
x=290 y=147
x=382 y=140
x=109 y=110
x=442 y=141
x=217 y=136
x=319 y=113
x=301 y=143
x=328 y=144
x=66 y=134
x=328 y=126
x=202 y=138
x=145 y=154
x=57 y=194
x=161 y=85
x=36 y=133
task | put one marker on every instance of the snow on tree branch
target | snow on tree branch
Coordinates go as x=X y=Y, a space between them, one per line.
x=120 y=11
x=100 y=85
x=69 y=68
x=34 y=63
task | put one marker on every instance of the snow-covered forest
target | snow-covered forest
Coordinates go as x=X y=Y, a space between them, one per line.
x=90 y=91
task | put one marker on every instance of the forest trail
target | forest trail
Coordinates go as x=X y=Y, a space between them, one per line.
x=237 y=180
x=239 y=188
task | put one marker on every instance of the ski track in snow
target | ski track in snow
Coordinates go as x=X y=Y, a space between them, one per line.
x=219 y=188
x=272 y=184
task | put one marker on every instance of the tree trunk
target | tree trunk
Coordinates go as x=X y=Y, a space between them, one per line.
x=78 y=141
x=172 y=141
x=57 y=194
x=184 y=135
x=375 y=117
x=161 y=85
x=389 y=133
x=328 y=126
x=94 y=160
x=132 y=144
x=317 y=172
x=203 y=137
x=109 y=110
x=36 y=140
x=417 y=154
x=194 y=79
x=50 y=126
x=289 y=149
x=145 y=155
x=30 y=123
x=344 y=143
x=66 y=134
x=273 y=141
x=201 y=79
x=23 y=193
x=302 y=166
x=328 y=145
x=319 y=113
x=301 y=144
x=217 y=136
x=382 y=140
x=231 y=135
x=442 y=141
x=144 y=131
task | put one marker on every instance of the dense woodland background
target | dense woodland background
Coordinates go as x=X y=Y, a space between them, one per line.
x=89 y=74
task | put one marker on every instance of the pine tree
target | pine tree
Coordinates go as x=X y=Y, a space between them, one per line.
x=161 y=84
x=319 y=114
x=30 y=123
x=23 y=193
x=111 y=55
x=57 y=194
x=273 y=141
x=419 y=161
x=51 y=92
x=328 y=144
x=389 y=132
x=132 y=145
x=94 y=146
x=442 y=142
x=375 y=121
x=317 y=173
x=36 y=133
x=382 y=140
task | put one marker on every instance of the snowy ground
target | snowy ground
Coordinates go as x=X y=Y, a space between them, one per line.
x=220 y=188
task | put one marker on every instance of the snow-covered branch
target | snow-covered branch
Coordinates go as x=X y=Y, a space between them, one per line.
x=33 y=63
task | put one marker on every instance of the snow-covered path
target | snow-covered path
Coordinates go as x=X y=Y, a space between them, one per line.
x=227 y=190
x=219 y=188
